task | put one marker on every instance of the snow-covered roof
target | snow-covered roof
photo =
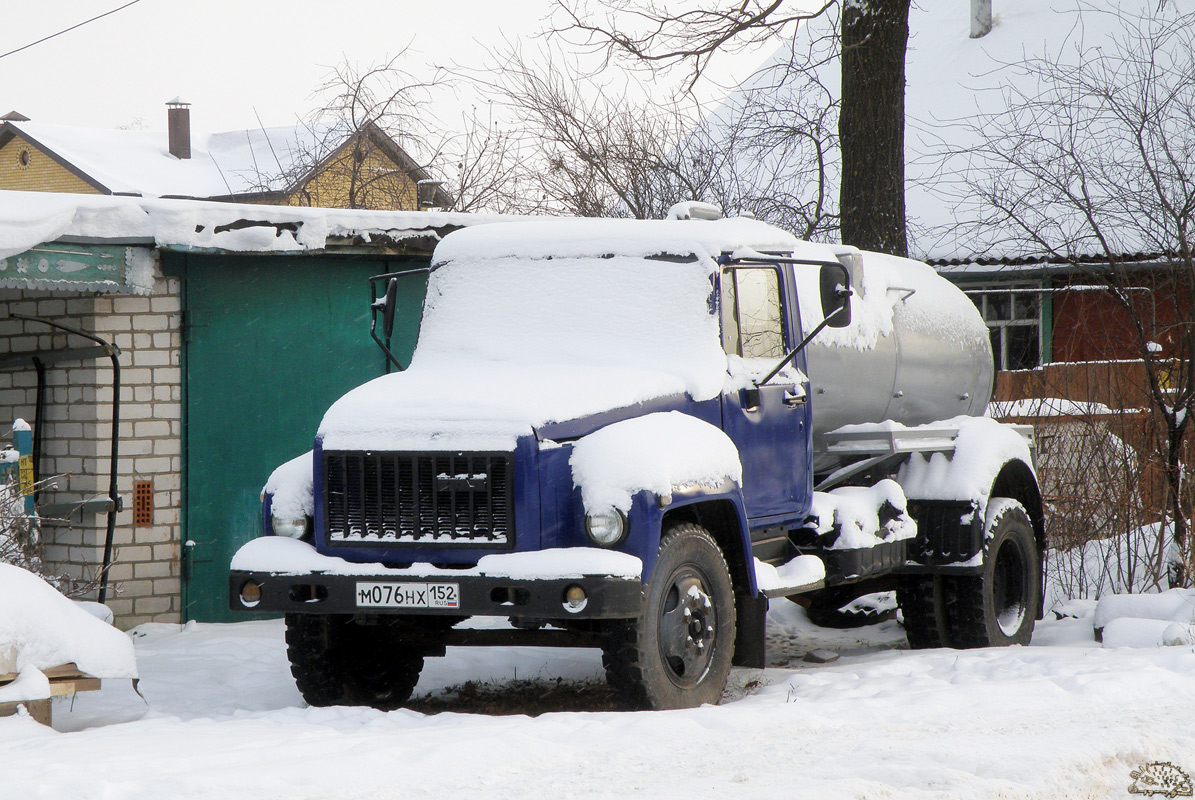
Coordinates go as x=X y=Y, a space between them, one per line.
x=28 y=219
x=135 y=162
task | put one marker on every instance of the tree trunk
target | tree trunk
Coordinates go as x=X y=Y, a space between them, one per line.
x=871 y=124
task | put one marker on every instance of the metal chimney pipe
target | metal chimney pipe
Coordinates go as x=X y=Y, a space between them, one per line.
x=981 y=18
x=178 y=125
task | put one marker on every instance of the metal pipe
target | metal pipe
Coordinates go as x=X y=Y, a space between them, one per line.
x=113 y=496
x=38 y=414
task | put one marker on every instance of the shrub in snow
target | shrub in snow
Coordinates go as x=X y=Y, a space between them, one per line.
x=20 y=539
x=21 y=543
x=1140 y=561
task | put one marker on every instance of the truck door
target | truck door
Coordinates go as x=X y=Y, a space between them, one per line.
x=769 y=423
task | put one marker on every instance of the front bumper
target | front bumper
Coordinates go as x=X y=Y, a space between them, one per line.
x=541 y=598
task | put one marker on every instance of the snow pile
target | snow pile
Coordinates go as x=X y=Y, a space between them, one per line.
x=655 y=453
x=283 y=556
x=983 y=446
x=1146 y=620
x=39 y=628
x=799 y=572
x=854 y=517
x=292 y=489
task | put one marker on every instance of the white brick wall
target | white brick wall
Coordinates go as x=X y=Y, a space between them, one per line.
x=144 y=582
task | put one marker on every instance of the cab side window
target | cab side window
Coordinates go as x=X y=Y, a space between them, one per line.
x=752 y=319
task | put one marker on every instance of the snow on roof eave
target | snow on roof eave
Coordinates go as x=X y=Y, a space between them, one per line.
x=1048 y=265
x=28 y=219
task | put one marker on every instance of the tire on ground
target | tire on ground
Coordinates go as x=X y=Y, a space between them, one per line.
x=998 y=607
x=922 y=603
x=678 y=653
x=336 y=661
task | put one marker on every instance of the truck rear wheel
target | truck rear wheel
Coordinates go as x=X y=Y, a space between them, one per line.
x=922 y=602
x=998 y=607
x=336 y=661
x=678 y=653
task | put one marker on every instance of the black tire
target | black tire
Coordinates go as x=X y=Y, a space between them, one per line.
x=678 y=654
x=336 y=661
x=922 y=602
x=314 y=660
x=999 y=607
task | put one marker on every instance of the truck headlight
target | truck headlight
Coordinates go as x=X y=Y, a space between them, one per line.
x=294 y=527
x=606 y=528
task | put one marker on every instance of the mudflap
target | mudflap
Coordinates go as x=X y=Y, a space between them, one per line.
x=749 y=641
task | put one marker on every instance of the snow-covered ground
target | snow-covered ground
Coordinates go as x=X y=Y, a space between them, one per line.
x=1065 y=717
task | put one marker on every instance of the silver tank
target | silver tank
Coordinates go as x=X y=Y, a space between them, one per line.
x=916 y=351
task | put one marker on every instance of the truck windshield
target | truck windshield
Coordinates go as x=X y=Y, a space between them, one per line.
x=626 y=311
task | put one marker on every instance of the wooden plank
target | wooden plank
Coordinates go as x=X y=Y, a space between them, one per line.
x=38 y=709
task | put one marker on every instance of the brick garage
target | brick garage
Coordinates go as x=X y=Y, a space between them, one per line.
x=237 y=326
x=76 y=431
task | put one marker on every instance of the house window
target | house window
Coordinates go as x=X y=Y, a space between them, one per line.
x=1013 y=315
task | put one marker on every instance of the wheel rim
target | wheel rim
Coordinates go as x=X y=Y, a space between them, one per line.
x=688 y=627
x=1009 y=583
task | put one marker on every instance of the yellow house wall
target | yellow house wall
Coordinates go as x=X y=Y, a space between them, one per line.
x=382 y=185
x=43 y=174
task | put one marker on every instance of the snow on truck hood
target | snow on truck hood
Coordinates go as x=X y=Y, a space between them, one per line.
x=486 y=407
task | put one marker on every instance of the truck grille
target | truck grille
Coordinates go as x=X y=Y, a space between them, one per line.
x=418 y=498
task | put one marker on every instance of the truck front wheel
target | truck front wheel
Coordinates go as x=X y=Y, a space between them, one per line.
x=998 y=607
x=336 y=661
x=678 y=654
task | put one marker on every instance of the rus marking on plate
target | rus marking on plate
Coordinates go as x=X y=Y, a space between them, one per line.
x=408 y=595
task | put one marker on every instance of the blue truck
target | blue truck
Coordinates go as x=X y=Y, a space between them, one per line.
x=633 y=436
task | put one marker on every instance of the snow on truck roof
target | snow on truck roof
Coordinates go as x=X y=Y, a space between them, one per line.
x=557 y=237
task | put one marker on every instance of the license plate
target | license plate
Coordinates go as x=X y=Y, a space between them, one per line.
x=408 y=595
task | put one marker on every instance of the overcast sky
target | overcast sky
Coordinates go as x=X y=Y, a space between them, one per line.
x=235 y=60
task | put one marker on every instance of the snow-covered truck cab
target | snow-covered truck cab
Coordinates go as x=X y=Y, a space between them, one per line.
x=606 y=435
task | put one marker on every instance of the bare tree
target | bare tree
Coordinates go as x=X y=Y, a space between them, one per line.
x=590 y=149
x=1089 y=162
x=871 y=120
x=485 y=167
x=779 y=135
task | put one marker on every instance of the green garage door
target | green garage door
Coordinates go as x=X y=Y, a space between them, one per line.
x=269 y=343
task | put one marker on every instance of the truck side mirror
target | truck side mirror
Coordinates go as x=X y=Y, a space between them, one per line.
x=388 y=307
x=836 y=295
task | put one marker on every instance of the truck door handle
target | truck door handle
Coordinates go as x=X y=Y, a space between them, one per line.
x=791 y=398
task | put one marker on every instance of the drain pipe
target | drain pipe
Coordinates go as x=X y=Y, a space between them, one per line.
x=113 y=353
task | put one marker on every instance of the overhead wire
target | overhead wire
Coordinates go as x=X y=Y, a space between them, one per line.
x=71 y=28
